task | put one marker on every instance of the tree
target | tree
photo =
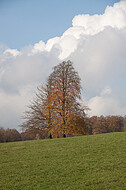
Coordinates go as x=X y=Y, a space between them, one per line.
x=77 y=126
x=115 y=123
x=2 y=134
x=34 y=117
x=38 y=117
x=56 y=104
x=99 y=126
x=124 y=123
x=34 y=134
x=12 y=135
x=65 y=93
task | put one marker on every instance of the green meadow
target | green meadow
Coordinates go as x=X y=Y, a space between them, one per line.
x=85 y=162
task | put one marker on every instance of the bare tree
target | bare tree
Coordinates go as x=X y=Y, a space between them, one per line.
x=35 y=117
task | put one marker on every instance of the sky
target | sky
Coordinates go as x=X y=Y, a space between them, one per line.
x=37 y=35
x=25 y=22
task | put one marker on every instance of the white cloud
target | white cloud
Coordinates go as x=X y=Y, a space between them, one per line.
x=90 y=25
x=13 y=52
x=12 y=105
x=84 y=25
x=103 y=105
x=38 y=47
x=96 y=44
x=51 y=42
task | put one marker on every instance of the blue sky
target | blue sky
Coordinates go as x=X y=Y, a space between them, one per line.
x=36 y=35
x=25 y=22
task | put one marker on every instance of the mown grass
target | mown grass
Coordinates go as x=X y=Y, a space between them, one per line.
x=86 y=162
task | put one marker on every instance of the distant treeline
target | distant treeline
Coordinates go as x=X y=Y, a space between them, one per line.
x=9 y=135
x=90 y=126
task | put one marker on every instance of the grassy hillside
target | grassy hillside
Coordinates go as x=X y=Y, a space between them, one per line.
x=87 y=162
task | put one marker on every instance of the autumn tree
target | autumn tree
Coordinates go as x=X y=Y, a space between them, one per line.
x=34 y=134
x=115 y=123
x=124 y=123
x=56 y=104
x=106 y=124
x=65 y=94
x=2 y=134
x=99 y=126
x=12 y=135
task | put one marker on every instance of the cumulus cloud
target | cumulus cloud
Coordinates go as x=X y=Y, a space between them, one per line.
x=113 y=16
x=84 y=25
x=96 y=44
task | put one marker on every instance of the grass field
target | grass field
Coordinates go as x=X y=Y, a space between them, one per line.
x=86 y=162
